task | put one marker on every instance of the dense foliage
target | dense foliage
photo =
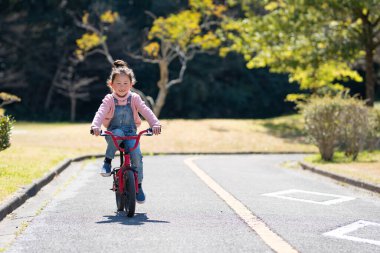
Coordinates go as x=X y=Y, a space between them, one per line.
x=37 y=38
x=321 y=43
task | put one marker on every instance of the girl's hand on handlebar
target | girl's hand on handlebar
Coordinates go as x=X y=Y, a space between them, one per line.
x=96 y=131
x=156 y=130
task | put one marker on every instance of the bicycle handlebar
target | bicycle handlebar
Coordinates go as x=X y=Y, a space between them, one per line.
x=115 y=138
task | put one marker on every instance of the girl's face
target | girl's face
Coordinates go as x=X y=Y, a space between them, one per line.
x=121 y=85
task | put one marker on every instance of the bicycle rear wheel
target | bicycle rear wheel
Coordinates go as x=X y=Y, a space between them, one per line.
x=130 y=194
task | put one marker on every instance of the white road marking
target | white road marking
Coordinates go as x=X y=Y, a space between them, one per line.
x=337 y=198
x=269 y=237
x=342 y=231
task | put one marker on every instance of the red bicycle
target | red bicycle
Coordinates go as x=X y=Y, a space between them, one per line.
x=125 y=180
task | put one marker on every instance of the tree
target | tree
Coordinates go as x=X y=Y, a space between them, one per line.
x=8 y=99
x=94 y=40
x=95 y=36
x=179 y=37
x=316 y=42
x=66 y=81
x=72 y=85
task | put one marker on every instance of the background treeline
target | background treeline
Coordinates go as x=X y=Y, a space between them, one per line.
x=36 y=38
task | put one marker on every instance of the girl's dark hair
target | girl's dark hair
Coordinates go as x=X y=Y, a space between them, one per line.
x=121 y=67
x=119 y=63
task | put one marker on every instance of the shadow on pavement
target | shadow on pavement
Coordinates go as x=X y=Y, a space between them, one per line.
x=138 y=219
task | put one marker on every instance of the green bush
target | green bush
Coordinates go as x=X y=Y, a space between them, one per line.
x=337 y=122
x=6 y=123
x=322 y=123
x=356 y=126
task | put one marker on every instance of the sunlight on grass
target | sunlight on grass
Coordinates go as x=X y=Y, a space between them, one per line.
x=366 y=168
x=339 y=157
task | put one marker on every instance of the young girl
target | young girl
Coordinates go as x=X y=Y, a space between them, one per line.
x=119 y=114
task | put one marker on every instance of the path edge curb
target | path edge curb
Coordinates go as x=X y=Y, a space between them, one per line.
x=350 y=181
x=31 y=190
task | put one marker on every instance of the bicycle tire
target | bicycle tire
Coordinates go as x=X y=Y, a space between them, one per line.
x=120 y=198
x=130 y=194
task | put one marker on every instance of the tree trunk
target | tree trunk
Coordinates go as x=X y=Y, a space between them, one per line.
x=52 y=88
x=160 y=102
x=326 y=149
x=56 y=79
x=369 y=77
x=164 y=78
x=73 y=107
x=369 y=64
x=49 y=97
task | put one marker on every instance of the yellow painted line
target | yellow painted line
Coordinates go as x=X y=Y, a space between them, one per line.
x=273 y=240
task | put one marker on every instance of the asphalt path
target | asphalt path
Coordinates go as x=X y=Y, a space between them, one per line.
x=222 y=211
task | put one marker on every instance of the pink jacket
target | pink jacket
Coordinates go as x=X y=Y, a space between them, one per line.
x=106 y=110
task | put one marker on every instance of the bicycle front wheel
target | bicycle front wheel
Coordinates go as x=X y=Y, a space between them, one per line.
x=130 y=193
x=120 y=196
x=120 y=201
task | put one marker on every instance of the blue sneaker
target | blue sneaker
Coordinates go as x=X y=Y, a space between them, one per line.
x=140 y=196
x=106 y=170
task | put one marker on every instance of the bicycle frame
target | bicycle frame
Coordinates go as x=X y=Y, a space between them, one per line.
x=126 y=165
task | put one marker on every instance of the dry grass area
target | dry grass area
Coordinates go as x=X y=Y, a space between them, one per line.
x=200 y=136
x=366 y=172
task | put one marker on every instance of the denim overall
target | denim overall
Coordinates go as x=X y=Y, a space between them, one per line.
x=123 y=124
